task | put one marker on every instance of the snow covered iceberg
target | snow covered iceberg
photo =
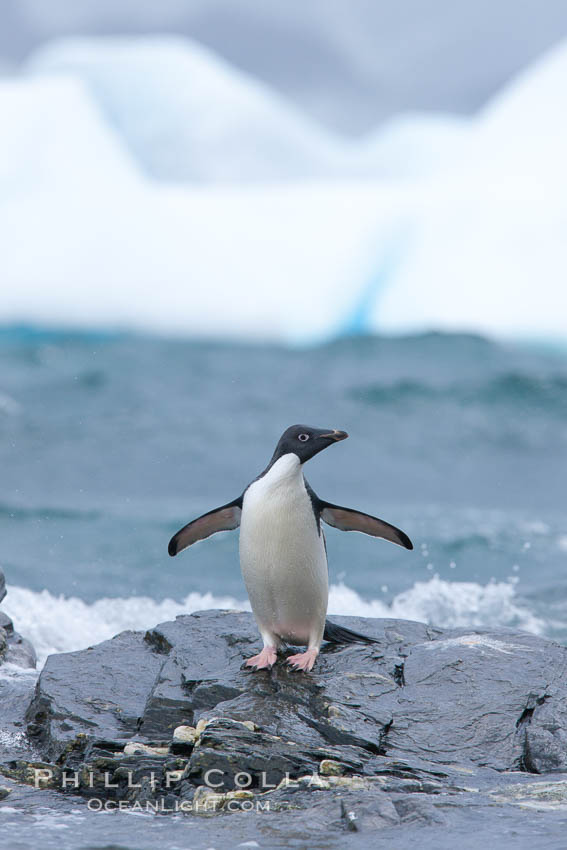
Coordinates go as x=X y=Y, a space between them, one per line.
x=89 y=241
x=148 y=185
x=187 y=115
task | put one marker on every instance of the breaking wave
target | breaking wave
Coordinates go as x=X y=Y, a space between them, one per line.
x=63 y=624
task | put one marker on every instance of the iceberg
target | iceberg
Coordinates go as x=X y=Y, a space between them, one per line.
x=489 y=252
x=186 y=115
x=147 y=185
x=52 y=132
x=89 y=241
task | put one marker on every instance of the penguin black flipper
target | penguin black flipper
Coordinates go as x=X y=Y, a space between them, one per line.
x=224 y=518
x=348 y=520
x=339 y=634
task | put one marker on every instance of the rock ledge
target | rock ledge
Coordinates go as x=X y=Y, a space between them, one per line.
x=389 y=732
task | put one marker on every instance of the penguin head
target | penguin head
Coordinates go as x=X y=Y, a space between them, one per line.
x=305 y=441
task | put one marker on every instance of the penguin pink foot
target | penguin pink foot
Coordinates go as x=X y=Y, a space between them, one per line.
x=303 y=660
x=264 y=660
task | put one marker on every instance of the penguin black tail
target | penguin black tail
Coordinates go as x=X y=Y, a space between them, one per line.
x=339 y=634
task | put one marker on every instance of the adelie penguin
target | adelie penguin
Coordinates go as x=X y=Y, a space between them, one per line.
x=283 y=556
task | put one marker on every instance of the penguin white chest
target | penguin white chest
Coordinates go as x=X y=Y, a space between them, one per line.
x=282 y=555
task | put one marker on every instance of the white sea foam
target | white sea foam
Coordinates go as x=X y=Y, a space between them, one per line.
x=63 y=624
x=450 y=604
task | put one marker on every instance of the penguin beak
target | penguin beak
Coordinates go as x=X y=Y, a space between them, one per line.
x=335 y=436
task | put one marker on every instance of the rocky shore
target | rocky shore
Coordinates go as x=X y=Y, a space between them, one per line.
x=424 y=735
x=14 y=648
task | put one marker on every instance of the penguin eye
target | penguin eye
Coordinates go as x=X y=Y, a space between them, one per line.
x=303 y=437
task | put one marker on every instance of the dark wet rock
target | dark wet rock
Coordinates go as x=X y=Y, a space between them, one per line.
x=543 y=726
x=6 y=623
x=472 y=697
x=397 y=734
x=13 y=647
x=413 y=808
x=20 y=651
x=99 y=693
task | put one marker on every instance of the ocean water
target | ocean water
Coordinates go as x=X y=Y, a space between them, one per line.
x=109 y=443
